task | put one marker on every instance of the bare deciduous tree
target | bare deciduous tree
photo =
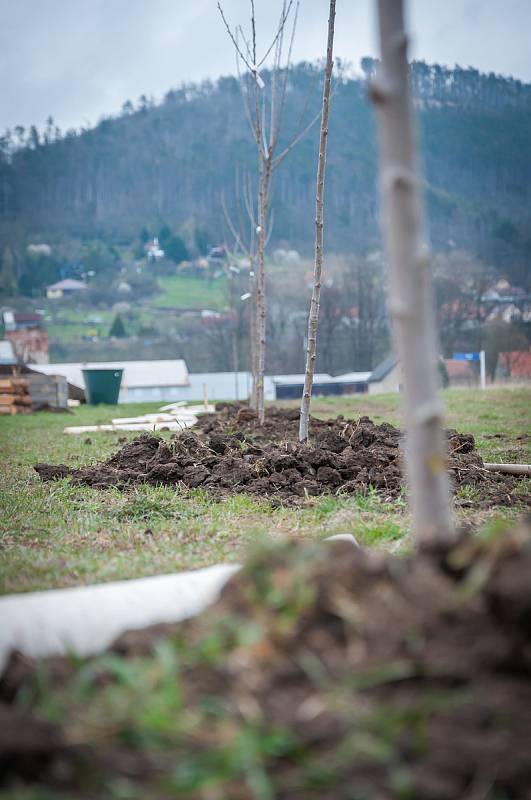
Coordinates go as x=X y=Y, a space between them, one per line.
x=243 y=231
x=411 y=301
x=264 y=105
x=313 y=317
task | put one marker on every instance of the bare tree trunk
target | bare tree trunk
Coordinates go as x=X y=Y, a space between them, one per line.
x=260 y=290
x=313 y=318
x=235 y=365
x=253 y=349
x=260 y=248
x=254 y=368
x=411 y=301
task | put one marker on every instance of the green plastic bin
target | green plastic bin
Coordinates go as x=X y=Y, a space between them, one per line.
x=102 y=385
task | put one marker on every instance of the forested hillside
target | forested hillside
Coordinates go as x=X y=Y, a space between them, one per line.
x=169 y=163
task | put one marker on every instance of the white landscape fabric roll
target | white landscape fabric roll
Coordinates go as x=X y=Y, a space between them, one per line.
x=87 y=619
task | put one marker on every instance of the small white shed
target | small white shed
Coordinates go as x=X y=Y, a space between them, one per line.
x=386 y=377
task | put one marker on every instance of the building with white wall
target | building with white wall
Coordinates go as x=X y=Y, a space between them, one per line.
x=142 y=381
x=386 y=377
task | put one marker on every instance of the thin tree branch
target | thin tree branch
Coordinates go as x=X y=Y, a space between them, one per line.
x=281 y=156
x=249 y=205
x=233 y=40
x=283 y=19
x=273 y=91
x=285 y=75
x=245 y=99
x=231 y=226
x=275 y=79
x=253 y=28
x=247 y=42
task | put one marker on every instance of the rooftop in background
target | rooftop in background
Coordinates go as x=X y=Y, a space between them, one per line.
x=7 y=355
x=15 y=320
x=352 y=377
x=321 y=377
x=67 y=285
x=27 y=318
x=283 y=380
x=383 y=369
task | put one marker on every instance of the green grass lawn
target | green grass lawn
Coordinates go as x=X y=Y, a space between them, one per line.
x=186 y=292
x=55 y=534
x=74 y=324
x=71 y=324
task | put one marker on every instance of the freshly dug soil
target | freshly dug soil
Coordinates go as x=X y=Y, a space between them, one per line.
x=326 y=672
x=230 y=453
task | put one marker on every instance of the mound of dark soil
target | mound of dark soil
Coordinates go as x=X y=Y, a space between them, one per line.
x=333 y=674
x=230 y=453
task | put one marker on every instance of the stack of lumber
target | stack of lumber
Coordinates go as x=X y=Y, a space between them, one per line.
x=48 y=390
x=15 y=397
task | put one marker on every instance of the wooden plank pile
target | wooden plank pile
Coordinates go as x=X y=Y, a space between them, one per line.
x=48 y=390
x=15 y=397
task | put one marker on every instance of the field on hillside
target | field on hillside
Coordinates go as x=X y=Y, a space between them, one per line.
x=66 y=321
x=178 y=291
x=56 y=534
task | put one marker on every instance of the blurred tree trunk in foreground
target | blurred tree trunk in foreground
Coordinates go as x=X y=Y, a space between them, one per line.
x=411 y=301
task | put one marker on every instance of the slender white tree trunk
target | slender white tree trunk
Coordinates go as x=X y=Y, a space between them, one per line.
x=253 y=348
x=313 y=317
x=411 y=301
x=260 y=341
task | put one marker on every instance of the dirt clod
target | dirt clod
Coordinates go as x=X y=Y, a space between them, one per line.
x=29 y=746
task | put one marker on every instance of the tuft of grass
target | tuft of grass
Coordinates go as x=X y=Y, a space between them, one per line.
x=493 y=528
x=524 y=488
x=381 y=532
x=468 y=493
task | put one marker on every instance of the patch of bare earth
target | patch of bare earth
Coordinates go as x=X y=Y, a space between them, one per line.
x=231 y=453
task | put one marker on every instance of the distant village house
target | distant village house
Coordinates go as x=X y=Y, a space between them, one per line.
x=153 y=250
x=65 y=288
x=27 y=336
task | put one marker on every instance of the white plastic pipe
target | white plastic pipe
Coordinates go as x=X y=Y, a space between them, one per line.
x=510 y=469
x=87 y=619
x=178 y=424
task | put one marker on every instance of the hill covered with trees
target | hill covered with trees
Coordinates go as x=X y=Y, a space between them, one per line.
x=170 y=163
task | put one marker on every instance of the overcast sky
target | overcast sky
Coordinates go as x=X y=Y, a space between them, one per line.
x=80 y=59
